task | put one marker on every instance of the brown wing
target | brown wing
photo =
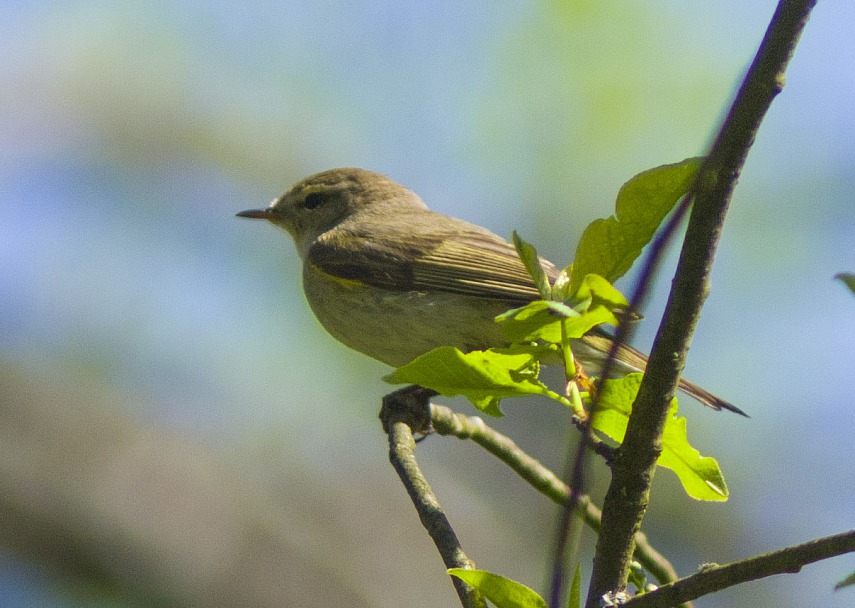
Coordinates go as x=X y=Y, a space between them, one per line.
x=427 y=251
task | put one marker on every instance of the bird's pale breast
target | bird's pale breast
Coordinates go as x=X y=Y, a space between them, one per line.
x=395 y=327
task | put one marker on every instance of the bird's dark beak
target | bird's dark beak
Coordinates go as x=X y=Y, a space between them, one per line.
x=256 y=214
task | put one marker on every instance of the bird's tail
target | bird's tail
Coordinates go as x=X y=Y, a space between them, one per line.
x=593 y=348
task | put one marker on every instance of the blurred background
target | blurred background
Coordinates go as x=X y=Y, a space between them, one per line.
x=176 y=427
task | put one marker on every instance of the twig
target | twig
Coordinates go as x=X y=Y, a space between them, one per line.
x=447 y=422
x=628 y=494
x=403 y=411
x=623 y=335
x=713 y=578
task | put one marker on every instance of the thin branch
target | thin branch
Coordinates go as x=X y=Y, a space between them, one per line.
x=403 y=411
x=628 y=494
x=447 y=422
x=623 y=335
x=714 y=578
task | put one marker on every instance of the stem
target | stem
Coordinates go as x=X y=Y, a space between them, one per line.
x=402 y=411
x=447 y=422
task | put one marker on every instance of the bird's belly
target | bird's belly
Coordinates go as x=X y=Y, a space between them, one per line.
x=395 y=327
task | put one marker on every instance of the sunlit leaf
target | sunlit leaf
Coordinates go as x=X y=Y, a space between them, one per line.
x=561 y=286
x=575 y=600
x=528 y=255
x=501 y=591
x=538 y=320
x=600 y=291
x=608 y=247
x=485 y=377
x=700 y=475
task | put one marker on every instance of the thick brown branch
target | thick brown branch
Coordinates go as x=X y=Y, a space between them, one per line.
x=714 y=578
x=628 y=495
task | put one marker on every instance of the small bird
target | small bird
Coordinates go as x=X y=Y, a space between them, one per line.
x=392 y=279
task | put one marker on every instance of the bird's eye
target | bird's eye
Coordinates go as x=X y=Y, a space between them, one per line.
x=313 y=200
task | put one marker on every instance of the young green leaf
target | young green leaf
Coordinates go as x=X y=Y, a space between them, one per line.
x=846 y=582
x=848 y=279
x=608 y=247
x=501 y=591
x=579 y=326
x=538 y=320
x=528 y=255
x=541 y=320
x=700 y=475
x=575 y=600
x=485 y=377
x=561 y=286
x=600 y=291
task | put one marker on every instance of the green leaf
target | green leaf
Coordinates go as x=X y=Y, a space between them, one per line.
x=576 y=589
x=615 y=405
x=561 y=286
x=501 y=591
x=538 y=320
x=541 y=320
x=528 y=255
x=608 y=247
x=848 y=279
x=846 y=582
x=600 y=291
x=579 y=326
x=485 y=377
x=700 y=475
